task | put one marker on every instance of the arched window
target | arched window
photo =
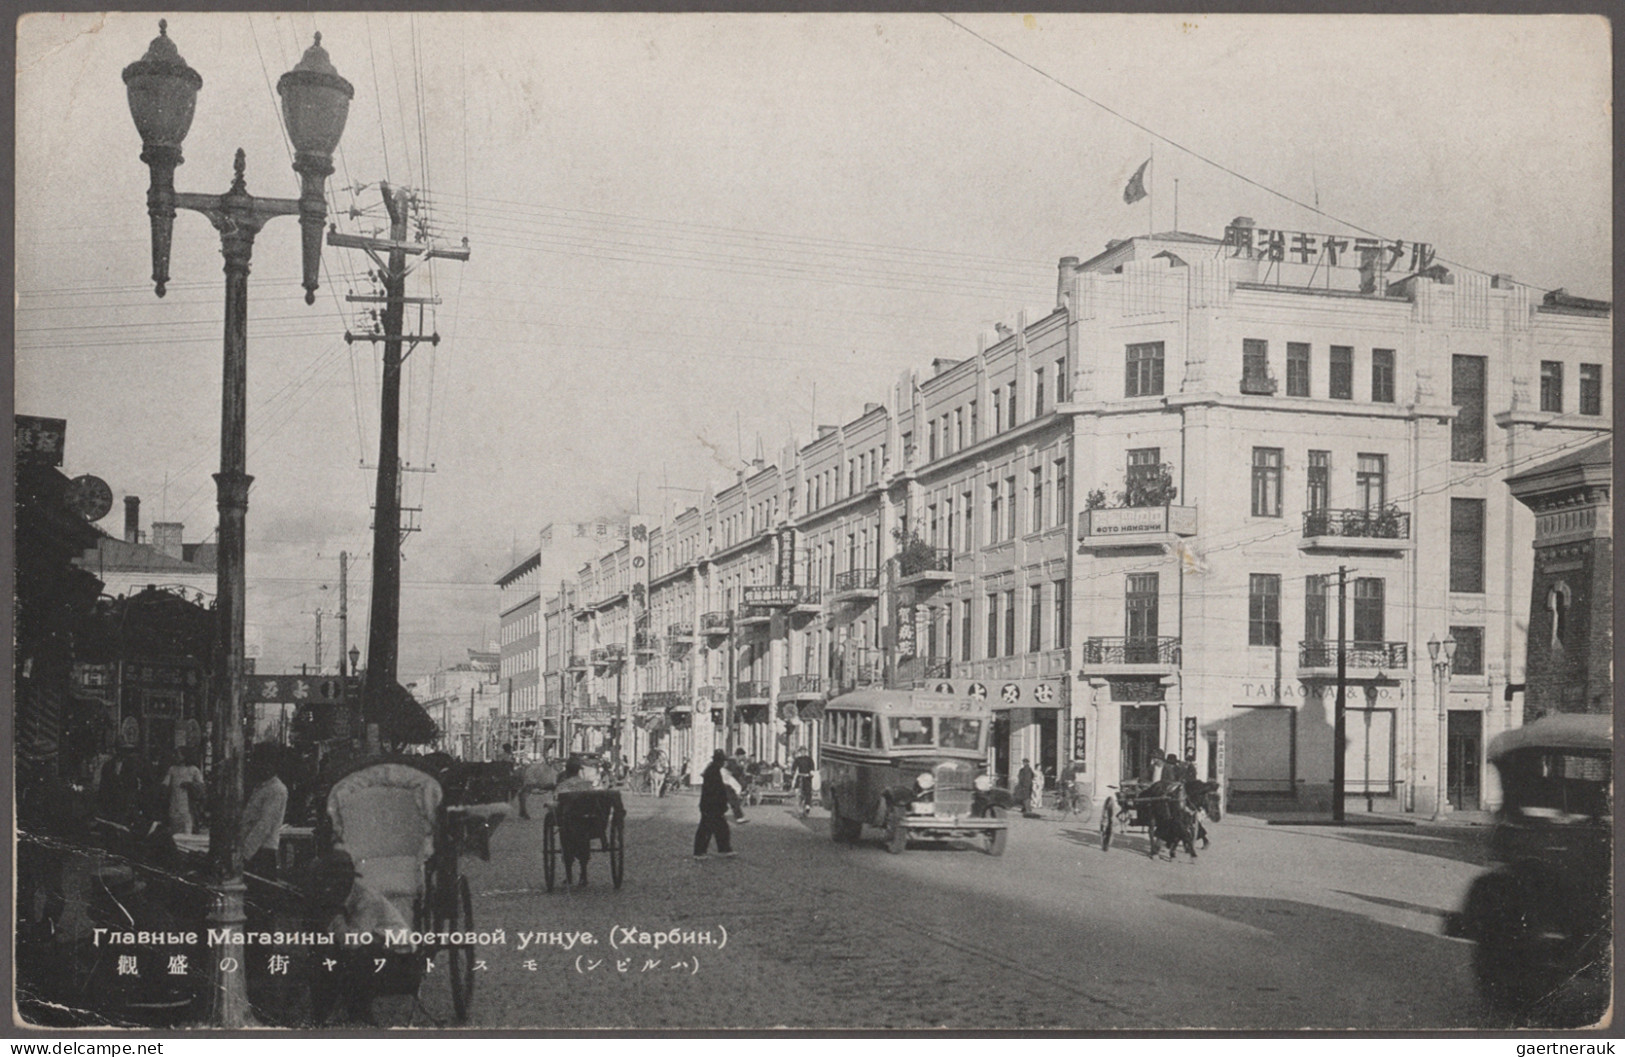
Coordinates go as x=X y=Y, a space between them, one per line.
x=1557 y=603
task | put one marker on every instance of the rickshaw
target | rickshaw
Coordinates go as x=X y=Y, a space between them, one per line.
x=391 y=817
x=587 y=815
x=1125 y=809
x=1542 y=921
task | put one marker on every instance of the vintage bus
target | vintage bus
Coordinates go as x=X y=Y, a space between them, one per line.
x=912 y=763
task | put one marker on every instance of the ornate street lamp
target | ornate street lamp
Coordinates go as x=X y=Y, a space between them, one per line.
x=162 y=92
x=1443 y=656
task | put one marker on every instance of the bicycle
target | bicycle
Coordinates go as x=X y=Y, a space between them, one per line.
x=1072 y=800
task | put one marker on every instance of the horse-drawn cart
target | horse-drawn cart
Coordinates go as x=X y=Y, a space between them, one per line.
x=571 y=826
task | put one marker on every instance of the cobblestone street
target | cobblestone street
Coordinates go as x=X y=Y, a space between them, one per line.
x=1273 y=927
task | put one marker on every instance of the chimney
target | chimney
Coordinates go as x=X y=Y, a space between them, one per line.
x=132 y=519
x=1067 y=266
x=166 y=538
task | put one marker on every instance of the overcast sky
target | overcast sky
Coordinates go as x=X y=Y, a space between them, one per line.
x=689 y=232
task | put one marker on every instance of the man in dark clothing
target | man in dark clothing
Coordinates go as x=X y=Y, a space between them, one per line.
x=736 y=792
x=802 y=768
x=716 y=783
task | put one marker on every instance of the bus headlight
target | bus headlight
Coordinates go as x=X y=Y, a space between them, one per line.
x=983 y=783
x=925 y=780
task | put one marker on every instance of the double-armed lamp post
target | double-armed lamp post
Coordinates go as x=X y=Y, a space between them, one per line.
x=1443 y=656
x=162 y=92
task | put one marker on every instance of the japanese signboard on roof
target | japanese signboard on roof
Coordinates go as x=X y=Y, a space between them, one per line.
x=294 y=689
x=1332 y=251
x=40 y=440
x=1003 y=693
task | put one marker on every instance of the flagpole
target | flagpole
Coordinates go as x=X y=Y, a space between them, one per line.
x=1176 y=203
x=1151 y=192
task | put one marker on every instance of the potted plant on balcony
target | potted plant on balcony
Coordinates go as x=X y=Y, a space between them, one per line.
x=914 y=555
x=1385 y=522
x=1156 y=488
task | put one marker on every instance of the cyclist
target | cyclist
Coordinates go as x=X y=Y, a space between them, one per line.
x=801 y=768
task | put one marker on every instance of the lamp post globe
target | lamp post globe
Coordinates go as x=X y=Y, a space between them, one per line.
x=315 y=106
x=162 y=92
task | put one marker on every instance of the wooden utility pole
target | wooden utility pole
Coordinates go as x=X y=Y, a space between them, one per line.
x=383 y=631
x=1340 y=722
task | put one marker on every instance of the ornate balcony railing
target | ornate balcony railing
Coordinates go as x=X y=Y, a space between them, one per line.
x=1318 y=654
x=915 y=560
x=1385 y=523
x=645 y=642
x=714 y=623
x=1258 y=383
x=748 y=614
x=751 y=691
x=911 y=669
x=576 y=661
x=796 y=684
x=1118 y=649
x=600 y=655
x=683 y=630
x=857 y=580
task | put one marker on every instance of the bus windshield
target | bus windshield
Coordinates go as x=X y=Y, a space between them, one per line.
x=956 y=733
x=910 y=730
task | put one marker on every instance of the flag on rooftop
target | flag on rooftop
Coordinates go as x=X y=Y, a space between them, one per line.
x=1136 y=184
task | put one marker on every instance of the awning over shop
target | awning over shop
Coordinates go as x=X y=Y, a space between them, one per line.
x=401 y=720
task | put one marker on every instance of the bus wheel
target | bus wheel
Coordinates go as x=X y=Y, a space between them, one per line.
x=896 y=833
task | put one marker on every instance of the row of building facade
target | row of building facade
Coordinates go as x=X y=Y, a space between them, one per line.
x=1128 y=522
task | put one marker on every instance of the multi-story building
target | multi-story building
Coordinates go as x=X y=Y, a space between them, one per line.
x=526 y=718
x=458 y=697
x=1057 y=523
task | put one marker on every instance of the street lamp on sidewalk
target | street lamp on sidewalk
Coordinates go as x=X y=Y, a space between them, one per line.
x=162 y=91
x=1443 y=656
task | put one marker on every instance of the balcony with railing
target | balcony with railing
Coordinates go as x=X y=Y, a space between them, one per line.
x=912 y=670
x=715 y=623
x=576 y=662
x=600 y=656
x=1134 y=526
x=1377 y=529
x=856 y=584
x=801 y=686
x=1258 y=383
x=925 y=566
x=753 y=616
x=1318 y=658
x=1107 y=653
x=683 y=630
x=752 y=692
x=857 y=669
x=645 y=642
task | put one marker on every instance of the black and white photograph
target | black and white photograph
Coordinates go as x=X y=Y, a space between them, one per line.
x=775 y=523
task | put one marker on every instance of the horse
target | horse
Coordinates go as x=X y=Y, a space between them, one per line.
x=1171 y=818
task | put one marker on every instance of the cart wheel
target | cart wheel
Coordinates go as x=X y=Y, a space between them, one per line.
x=615 y=844
x=1084 y=805
x=997 y=838
x=896 y=833
x=550 y=849
x=460 y=958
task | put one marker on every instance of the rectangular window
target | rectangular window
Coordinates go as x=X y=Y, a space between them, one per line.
x=1551 y=386
x=1267 y=482
x=974 y=436
x=1038 y=392
x=1035 y=492
x=1340 y=378
x=1140 y=613
x=1010 y=623
x=1371 y=481
x=1061 y=631
x=964 y=630
x=948 y=519
x=1060 y=492
x=1320 y=480
x=1035 y=619
x=969 y=542
x=1010 y=507
x=1297 y=368
x=959 y=428
x=1467 y=545
x=998 y=409
x=932 y=449
x=995 y=511
x=1314 y=608
x=1591 y=389
x=1010 y=407
x=1255 y=367
x=1060 y=381
x=931 y=525
x=1382 y=376
x=1264 y=609
x=1368 y=624
x=1142 y=469
x=993 y=625
x=1144 y=369
x=1467 y=392
x=1469 y=659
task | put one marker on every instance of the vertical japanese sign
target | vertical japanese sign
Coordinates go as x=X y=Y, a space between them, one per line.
x=786 y=569
x=1190 y=738
x=39 y=440
x=1080 y=742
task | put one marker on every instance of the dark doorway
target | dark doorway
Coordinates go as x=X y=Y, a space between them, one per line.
x=1466 y=737
x=1142 y=734
x=1001 y=748
x=1048 y=746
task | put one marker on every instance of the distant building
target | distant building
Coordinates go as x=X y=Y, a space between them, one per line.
x=459 y=698
x=159 y=559
x=1569 y=659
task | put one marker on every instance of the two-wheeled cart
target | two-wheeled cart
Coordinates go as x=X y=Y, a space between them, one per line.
x=576 y=820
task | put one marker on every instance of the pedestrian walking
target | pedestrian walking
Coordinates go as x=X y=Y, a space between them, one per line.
x=260 y=837
x=736 y=792
x=184 y=780
x=1024 y=785
x=802 y=769
x=575 y=828
x=717 y=785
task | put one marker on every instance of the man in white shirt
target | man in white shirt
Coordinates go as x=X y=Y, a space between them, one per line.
x=260 y=835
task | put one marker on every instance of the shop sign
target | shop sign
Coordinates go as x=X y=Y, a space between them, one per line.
x=1190 y=738
x=1080 y=741
x=786 y=568
x=295 y=689
x=1332 y=251
x=774 y=595
x=1005 y=693
x=905 y=631
x=1136 y=521
x=39 y=440
x=1319 y=692
x=159 y=674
